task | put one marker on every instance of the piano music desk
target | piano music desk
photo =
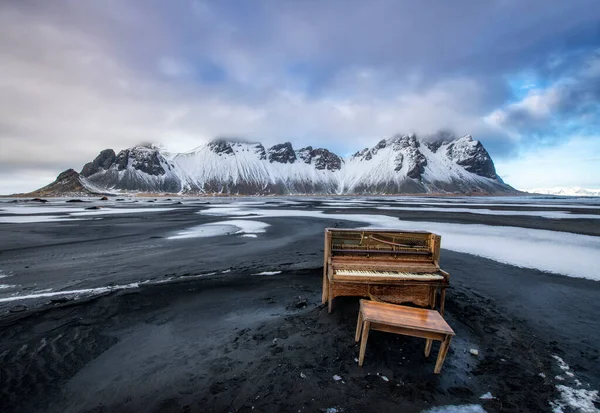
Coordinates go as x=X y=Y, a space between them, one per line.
x=408 y=321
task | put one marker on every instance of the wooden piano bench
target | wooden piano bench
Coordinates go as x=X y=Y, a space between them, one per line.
x=408 y=321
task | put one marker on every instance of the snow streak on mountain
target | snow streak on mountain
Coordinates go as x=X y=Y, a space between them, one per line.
x=401 y=164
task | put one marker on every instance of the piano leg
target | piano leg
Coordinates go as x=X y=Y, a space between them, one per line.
x=442 y=300
x=329 y=298
x=358 y=327
x=428 y=344
x=325 y=288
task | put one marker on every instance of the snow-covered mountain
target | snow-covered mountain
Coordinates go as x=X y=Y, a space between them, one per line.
x=400 y=164
x=575 y=191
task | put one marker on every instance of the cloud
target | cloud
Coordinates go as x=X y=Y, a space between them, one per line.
x=174 y=67
x=79 y=77
x=569 y=105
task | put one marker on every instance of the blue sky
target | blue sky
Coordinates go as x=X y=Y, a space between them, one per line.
x=81 y=76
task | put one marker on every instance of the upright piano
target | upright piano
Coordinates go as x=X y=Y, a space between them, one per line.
x=387 y=265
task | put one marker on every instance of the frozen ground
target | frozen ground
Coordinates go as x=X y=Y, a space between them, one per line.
x=518 y=258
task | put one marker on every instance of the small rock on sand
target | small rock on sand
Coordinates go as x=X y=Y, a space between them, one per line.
x=474 y=352
x=337 y=378
x=18 y=308
x=301 y=303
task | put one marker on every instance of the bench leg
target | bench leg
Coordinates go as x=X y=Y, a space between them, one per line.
x=358 y=327
x=363 y=342
x=442 y=354
x=428 y=344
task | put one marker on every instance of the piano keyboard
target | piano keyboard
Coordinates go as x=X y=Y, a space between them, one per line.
x=394 y=274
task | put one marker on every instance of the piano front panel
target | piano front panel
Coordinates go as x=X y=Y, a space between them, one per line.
x=420 y=295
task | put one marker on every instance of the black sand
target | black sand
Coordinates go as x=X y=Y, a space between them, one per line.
x=239 y=341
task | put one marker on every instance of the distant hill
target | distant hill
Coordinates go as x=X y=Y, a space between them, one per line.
x=574 y=191
x=69 y=183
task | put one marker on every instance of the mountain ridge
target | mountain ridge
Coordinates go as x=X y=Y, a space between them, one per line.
x=401 y=164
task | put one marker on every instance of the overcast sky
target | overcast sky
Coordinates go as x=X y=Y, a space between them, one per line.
x=521 y=76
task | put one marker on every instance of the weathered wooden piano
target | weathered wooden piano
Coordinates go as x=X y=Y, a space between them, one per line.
x=390 y=265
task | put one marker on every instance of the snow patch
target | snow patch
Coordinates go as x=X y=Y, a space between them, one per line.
x=29 y=219
x=481 y=211
x=572 y=399
x=237 y=226
x=580 y=400
x=86 y=291
x=465 y=408
x=112 y=211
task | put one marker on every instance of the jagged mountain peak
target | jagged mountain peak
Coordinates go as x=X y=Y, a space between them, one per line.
x=231 y=146
x=282 y=153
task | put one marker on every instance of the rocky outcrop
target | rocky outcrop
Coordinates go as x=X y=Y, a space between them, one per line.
x=141 y=168
x=102 y=162
x=282 y=153
x=321 y=158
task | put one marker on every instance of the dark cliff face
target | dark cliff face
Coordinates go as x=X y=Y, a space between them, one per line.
x=407 y=148
x=473 y=157
x=228 y=147
x=282 y=153
x=143 y=159
x=102 y=162
x=260 y=151
x=221 y=147
x=322 y=158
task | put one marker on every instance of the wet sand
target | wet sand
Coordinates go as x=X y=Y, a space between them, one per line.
x=241 y=342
